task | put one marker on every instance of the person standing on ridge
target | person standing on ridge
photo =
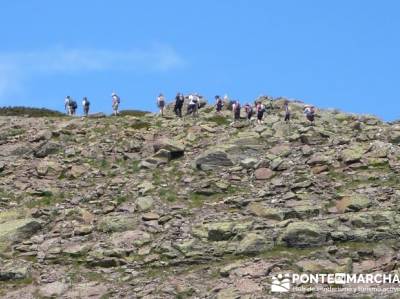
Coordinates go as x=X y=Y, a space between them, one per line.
x=249 y=111
x=179 y=100
x=161 y=103
x=309 y=111
x=193 y=105
x=236 y=110
x=85 y=105
x=72 y=105
x=66 y=105
x=218 y=104
x=115 y=103
x=260 y=109
x=287 y=111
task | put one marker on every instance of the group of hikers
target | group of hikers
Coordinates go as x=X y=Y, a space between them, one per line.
x=192 y=107
x=71 y=105
x=258 y=109
x=194 y=104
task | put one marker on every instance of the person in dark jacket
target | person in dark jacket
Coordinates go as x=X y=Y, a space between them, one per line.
x=179 y=100
x=218 y=104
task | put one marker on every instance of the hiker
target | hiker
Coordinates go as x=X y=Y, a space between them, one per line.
x=260 y=109
x=309 y=111
x=236 y=110
x=287 y=111
x=218 y=104
x=85 y=105
x=66 y=105
x=72 y=105
x=249 y=111
x=161 y=103
x=193 y=105
x=179 y=100
x=115 y=103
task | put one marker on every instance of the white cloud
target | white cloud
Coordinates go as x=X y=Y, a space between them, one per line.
x=18 y=66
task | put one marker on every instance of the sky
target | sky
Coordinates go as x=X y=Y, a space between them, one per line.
x=333 y=53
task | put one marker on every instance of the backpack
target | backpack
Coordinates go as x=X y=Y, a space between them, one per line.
x=86 y=103
x=74 y=105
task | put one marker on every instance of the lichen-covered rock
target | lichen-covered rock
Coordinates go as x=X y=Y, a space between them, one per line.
x=117 y=223
x=254 y=243
x=303 y=234
x=212 y=159
x=352 y=154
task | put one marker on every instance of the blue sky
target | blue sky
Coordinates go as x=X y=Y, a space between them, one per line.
x=332 y=53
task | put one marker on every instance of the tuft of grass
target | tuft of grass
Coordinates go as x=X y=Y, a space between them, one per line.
x=121 y=199
x=138 y=125
x=219 y=120
x=46 y=199
x=168 y=195
x=137 y=113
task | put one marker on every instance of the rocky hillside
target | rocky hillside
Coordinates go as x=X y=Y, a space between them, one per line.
x=151 y=207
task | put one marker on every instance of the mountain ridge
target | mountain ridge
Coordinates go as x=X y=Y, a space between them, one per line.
x=161 y=207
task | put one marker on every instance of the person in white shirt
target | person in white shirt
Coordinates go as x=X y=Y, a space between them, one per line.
x=85 y=105
x=309 y=111
x=161 y=103
x=193 y=104
x=66 y=105
x=115 y=103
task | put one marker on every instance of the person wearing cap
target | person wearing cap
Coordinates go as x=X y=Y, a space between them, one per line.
x=115 y=103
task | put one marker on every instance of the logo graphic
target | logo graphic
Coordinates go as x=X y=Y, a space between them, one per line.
x=280 y=283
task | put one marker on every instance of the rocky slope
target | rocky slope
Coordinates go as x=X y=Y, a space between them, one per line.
x=151 y=207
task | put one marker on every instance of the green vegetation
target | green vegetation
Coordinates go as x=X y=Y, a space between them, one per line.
x=140 y=125
x=137 y=113
x=168 y=195
x=29 y=111
x=45 y=199
x=219 y=120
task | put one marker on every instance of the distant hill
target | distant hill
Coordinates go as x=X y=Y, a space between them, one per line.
x=28 y=111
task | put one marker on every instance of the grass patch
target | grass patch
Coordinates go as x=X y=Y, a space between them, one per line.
x=46 y=199
x=138 y=125
x=135 y=166
x=137 y=113
x=121 y=199
x=219 y=120
x=168 y=195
